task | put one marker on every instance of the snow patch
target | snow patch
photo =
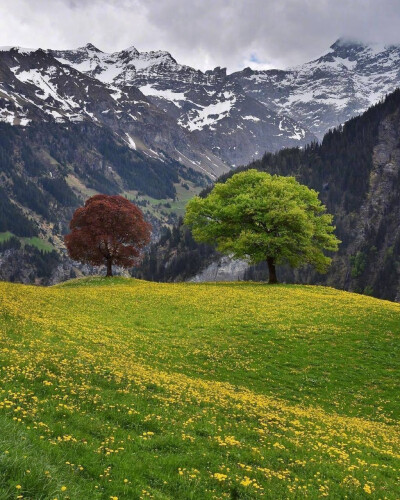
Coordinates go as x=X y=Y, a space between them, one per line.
x=116 y=94
x=130 y=141
x=345 y=62
x=169 y=95
x=209 y=115
x=24 y=121
x=251 y=118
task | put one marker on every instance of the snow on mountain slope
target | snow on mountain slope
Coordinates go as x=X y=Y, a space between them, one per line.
x=39 y=88
x=35 y=86
x=206 y=104
x=211 y=118
x=325 y=92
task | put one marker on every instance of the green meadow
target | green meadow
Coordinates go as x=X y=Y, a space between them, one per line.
x=124 y=389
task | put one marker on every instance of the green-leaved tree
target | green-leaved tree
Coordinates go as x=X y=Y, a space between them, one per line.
x=261 y=217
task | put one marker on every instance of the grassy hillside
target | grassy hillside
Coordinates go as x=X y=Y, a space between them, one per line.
x=38 y=243
x=128 y=389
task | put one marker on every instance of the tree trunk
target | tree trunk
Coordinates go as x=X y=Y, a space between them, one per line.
x=272 y=271
x=109 y=267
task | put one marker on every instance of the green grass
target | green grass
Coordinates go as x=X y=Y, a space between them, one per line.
x=177 y=206
x=123 y=388
x=5 y=236
x=182 y=197
x=40 y=244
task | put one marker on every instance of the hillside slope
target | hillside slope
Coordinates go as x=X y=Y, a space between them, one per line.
x=47 y=170
x=127 y=389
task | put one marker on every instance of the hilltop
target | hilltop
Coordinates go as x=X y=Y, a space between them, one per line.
x=119 y=388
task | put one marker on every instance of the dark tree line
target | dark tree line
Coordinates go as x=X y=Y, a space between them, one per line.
x=13 y=220
x=186 y=256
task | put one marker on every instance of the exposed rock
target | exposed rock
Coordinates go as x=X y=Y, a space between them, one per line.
x=225 y=269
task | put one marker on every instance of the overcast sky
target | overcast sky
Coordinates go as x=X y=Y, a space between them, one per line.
x=202 y=33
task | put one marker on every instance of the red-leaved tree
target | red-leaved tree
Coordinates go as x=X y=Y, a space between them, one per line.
x=108 y=230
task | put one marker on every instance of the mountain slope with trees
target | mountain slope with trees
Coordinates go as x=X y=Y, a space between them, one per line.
x=157 y=132
x=48 y=169
x=356 y=170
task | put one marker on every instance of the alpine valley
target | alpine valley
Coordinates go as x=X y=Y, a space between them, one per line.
x=77 y=122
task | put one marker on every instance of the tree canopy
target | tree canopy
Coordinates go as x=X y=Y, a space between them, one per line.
x=108 y=230
x=261 y=217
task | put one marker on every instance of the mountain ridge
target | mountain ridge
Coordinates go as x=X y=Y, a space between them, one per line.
x=331 y=89
x=236 y=116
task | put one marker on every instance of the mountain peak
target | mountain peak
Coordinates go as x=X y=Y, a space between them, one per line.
x=344 y=43
x=131 y=50
x=91 y=47
x=347 y=42
x=160 y=53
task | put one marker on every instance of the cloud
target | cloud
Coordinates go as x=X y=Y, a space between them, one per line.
x=202 y=33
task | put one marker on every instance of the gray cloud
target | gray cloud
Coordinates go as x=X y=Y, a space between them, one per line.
x=202 y=33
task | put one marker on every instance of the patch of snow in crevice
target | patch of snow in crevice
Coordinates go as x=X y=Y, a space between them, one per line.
x=251 y=118
x=115 y=93
x=209 y=115
x=24 y=121
x=130 y=141
x=169 y=95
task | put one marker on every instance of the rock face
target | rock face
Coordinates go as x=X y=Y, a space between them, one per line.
x=377 y=234
x=224 y=269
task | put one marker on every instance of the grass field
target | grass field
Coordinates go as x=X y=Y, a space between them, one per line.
x=126 y=389
x=156 y=207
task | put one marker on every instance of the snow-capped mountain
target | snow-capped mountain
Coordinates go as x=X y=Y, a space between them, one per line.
x=209 y=121
x=36 y=87
x=326 y=92
x=212 y=107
